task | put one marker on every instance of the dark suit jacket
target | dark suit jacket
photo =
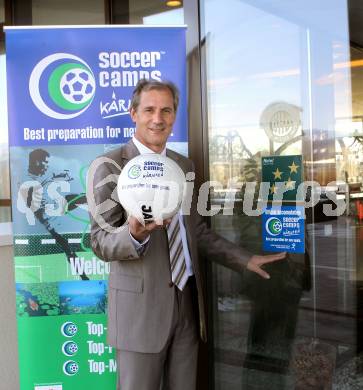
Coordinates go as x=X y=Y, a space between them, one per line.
x=140 y=301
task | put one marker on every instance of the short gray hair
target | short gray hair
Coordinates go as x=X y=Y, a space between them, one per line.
x=145 y=85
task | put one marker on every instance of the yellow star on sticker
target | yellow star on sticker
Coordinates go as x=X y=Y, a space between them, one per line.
x=293 y=167
x=273 y=189
x=290 y=184
x=277 y=174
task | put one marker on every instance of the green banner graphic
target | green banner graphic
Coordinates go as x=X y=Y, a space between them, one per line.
x=61 y=286
x=285 y=174
x=69 y=92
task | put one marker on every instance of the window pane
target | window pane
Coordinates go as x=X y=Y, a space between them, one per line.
x=5 y=215
x=155 y=12
x=283 y=79
x=4 y=150
x=56 y=12
x=2 y=11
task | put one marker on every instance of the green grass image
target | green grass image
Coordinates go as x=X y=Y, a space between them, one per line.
x=37 y=299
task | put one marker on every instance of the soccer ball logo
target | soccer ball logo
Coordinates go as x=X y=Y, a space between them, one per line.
x=77 y=86
x=134 y=172
x=70 y=367
x=70 y=348
x=62 y=86
x=69 y=329
x=72 y=86
x=273 y=226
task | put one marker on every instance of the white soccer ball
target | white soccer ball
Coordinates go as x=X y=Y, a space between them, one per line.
x=77 y=86
x=150 y=187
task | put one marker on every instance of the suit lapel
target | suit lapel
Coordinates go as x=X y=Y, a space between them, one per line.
x=175 y=157
x=129 y=151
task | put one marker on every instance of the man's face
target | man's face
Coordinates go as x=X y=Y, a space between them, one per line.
x=43 y=165
x=154 y=118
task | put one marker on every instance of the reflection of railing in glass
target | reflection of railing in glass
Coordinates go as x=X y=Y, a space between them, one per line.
x=231 y=158
x=228 y=152
x=5 y=211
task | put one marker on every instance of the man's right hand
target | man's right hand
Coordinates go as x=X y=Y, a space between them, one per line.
x=140 y=232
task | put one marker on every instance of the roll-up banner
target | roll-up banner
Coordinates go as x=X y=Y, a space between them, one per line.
x=69 y=92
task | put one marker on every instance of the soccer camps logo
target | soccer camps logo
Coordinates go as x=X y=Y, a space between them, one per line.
x=62 y=86
x=134 y=172
x=69 y=329
x=70 y=367
x=69 y=348
x=273 y=226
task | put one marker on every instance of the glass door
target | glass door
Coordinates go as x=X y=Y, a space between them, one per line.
x=284 y=98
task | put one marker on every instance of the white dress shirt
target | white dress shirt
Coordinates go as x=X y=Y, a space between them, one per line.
x=140 y=246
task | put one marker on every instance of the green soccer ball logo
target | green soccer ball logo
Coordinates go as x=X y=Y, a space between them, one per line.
x=72 y=86
x=273 y=226
x=77 y=86
x=70 y=367
x=134 y=172
x=69 y=329
x=70 y=348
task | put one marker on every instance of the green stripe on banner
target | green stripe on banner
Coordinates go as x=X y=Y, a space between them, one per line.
x=52 y=268
x=81 y=352
x=33 y=245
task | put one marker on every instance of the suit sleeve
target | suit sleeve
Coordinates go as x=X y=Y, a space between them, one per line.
x=110 y=238
x=214 y=247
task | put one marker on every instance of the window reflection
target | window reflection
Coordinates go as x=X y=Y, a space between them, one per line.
x=284 y=79
x=155 y=12
x=5 y=213
x=169 y=17
x=2 y=11
x=4 y=152
x=56 y=12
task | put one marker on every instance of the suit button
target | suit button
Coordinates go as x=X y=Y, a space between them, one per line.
x=171 y=284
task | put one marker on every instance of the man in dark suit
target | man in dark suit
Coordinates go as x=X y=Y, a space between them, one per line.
x=152 y=321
